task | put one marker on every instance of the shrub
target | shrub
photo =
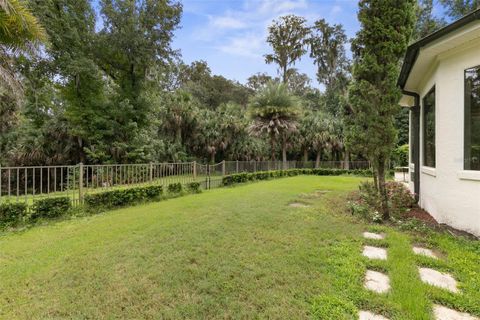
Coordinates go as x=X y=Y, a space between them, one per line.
x=123 y=197
x=174 y=188
x=12 y=213
x=51 y=207
x=400 y=156
x=400 y=199
x=194 y=187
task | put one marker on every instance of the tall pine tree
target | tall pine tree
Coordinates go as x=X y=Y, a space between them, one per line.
x=386 y=28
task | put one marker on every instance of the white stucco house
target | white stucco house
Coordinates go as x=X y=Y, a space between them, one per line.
x=440 y=81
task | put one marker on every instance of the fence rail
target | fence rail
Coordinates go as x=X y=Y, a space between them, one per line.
x=26 y=184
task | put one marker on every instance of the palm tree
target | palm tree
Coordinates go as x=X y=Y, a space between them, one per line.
x=320 y=133
x=19 y=31
x=275 y=113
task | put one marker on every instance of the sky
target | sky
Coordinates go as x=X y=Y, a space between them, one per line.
x=231 y=34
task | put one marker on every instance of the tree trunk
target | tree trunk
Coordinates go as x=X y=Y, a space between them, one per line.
x=305 y=155
x=178 y=136
x=284 y=78
x=284 y=154
x=319 y=156
x=347 y=160
x=212 y=158
x=272 y=147
x=382 y=189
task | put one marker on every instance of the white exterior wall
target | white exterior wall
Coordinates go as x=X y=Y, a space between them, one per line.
x=450 y=194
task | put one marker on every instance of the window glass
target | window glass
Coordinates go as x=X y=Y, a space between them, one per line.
x=472 y=119
x=429 y=129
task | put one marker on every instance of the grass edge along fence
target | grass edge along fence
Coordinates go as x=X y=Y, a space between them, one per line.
x=13 y=214
x=28 y=184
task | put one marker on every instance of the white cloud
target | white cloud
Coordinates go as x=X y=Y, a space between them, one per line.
x=249 y=45
x=227 y=22
x=274 y=6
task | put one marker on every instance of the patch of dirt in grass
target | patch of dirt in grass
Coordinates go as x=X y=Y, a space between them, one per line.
x=298 y=205
x=314 y=195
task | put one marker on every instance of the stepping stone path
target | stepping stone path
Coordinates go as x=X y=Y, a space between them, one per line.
x=380 y=283
x=375 y=253
x=444 y=313
x=367 y=315
x=424 y=252
x=438 y=279
x=377 y=281
x=375 y=236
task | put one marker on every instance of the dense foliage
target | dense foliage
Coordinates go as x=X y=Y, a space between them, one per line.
x=99 y=82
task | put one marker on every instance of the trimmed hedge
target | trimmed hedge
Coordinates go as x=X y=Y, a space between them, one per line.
x=12 y=213
x=265 y=175
x=175 y=188
x=194 y=187
x=123 y=197
x=51 y=207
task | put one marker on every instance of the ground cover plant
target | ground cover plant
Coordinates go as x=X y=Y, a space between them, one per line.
x=239 y=252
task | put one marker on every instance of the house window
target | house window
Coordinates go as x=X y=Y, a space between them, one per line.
x=472 y=119
x=429 y=129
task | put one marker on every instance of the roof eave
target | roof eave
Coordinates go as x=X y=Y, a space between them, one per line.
x=414 y=49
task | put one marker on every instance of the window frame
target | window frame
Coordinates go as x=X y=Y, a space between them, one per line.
x=466 y=122
x=424 y=128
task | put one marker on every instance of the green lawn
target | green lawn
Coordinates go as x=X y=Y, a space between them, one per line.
x=238 y=253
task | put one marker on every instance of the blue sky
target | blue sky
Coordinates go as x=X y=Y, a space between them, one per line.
x=230 y=34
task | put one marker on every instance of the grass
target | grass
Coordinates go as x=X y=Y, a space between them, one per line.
x=231 y=253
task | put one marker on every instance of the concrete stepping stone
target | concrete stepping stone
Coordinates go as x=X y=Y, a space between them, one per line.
x=375 y=236
x=367 y=315
x=424 y=252
x=444 y=313
x=438 y=279
x=377 y=281
x=375 y=252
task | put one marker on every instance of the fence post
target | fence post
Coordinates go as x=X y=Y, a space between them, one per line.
x=194 y=170
x=237 y=166
x=80 y=183
x=151 y=172
x=223 y=167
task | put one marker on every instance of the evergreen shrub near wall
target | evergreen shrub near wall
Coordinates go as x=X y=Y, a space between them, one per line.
x=265 y=175
x=123 y=197
x=12 y=213
x=51 y=207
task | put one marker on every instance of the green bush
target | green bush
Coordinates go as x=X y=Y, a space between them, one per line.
x=123 y=197
x=194 y=187
x=175 y=188
x=400 y=200
x=400 y=156
x=265 y=175
x=12 y=213
x=51 y=207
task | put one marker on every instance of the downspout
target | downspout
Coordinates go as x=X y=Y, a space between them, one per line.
x=415 y=122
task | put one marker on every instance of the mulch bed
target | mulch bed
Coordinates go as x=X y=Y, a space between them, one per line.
x=422 y=215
